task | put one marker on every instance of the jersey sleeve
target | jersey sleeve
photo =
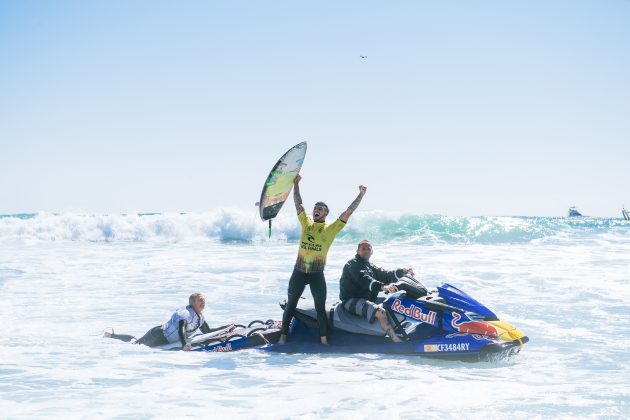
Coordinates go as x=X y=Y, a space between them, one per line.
x=303 y=218
x=336 y=226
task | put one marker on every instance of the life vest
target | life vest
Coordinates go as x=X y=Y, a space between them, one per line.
x=192 y=322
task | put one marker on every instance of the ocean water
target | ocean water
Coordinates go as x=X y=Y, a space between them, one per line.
x=66 y=277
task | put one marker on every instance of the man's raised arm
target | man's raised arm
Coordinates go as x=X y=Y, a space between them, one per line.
x=297 y=198
x=346 y=214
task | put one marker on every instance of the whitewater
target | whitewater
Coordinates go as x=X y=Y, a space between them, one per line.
x=66 y=277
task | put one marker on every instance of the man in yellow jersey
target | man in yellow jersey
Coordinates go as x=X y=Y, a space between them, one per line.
x=317 y=237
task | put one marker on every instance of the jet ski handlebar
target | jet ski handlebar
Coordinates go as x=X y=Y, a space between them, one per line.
x=413 y=288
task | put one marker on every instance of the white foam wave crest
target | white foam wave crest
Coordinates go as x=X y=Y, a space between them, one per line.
x=230 y=224
x=224 y=225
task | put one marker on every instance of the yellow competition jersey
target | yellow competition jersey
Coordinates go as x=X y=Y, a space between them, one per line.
x=315 y=241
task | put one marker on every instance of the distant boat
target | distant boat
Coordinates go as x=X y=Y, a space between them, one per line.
x=625 y=213
x=573 y=212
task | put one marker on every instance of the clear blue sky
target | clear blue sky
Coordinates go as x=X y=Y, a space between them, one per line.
x=461 y=108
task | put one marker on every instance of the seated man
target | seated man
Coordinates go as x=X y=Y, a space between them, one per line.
x=360 y=283
x=180 y=327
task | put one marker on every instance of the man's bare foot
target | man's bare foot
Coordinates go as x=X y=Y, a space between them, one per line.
x=282 y=339
x=107 y=334
x=324 y=340
x=392 y=335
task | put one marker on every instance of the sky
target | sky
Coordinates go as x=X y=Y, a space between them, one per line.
x=460 y=108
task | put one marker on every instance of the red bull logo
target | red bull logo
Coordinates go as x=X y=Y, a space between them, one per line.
x=414 y=312
x=219 y=349
x=473 y=327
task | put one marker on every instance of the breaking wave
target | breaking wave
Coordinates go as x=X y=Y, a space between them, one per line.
x=245 y=226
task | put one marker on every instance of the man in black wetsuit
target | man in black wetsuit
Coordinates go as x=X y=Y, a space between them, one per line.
x=180 y=327
x=315 y=241
x=360 y=283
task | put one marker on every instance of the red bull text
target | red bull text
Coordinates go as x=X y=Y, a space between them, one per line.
x=219 y=349
x=414 y=312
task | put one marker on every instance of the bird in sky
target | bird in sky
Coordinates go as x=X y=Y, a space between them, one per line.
x=363 y=56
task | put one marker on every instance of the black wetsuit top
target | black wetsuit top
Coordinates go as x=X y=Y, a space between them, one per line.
x=362 y=279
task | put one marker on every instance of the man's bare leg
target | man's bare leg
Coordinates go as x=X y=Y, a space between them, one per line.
x=381 y=316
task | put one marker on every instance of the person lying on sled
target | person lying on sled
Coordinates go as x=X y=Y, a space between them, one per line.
x=360 y=283
x=180 y=327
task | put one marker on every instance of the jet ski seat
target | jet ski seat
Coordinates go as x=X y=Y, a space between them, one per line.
x=339 y=318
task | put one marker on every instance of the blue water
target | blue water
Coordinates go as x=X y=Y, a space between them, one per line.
x=66 y=277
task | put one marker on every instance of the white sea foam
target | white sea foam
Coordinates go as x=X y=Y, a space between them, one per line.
x=567 y=289
x=224 y=224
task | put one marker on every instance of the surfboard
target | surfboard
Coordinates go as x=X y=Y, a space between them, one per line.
x=280 y=182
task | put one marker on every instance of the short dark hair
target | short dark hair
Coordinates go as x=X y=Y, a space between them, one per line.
x=365 y=241
x=321 y=203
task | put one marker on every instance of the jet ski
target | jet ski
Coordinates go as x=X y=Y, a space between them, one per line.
x=231 y=338
x=443 y=323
